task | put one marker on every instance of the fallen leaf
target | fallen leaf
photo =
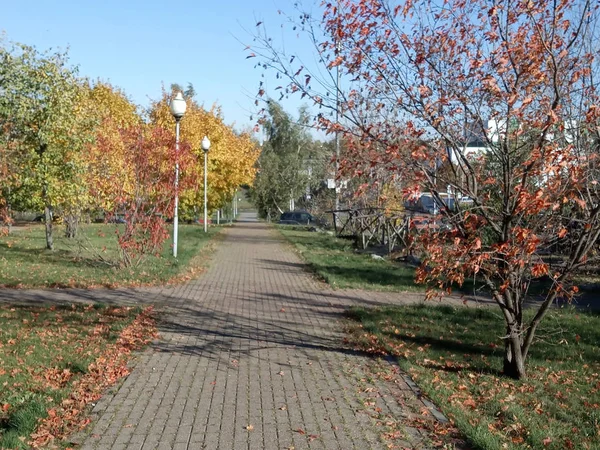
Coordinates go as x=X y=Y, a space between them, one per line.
x=249 y=427
x=470 y=403
x=300 y=430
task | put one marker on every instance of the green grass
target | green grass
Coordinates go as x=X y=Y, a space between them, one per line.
x=335 y=261
x=44 y=352
x=25 y=262
x=455 y=355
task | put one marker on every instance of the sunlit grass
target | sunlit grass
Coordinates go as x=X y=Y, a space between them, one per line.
x=92 y=258
x=44 y=353
x=336 y=262
x=455 y=355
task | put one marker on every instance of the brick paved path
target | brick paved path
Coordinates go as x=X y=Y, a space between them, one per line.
x=251 y=357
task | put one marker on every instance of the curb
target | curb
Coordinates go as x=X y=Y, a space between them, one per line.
x=435 y=411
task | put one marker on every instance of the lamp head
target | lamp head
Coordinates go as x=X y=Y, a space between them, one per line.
x=178 y=106
x=205 y=144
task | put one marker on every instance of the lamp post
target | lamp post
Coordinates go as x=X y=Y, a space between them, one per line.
x=338 y=50
x=178 y=107
x=205 y=148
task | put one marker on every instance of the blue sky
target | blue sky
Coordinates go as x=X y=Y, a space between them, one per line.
x=137 y=45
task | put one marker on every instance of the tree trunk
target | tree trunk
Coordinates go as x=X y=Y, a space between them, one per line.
x=9 y=214
x=49 y=239
x=514 y=364
x=71 y=225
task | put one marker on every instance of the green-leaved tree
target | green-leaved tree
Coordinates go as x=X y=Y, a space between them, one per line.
x=43 y=131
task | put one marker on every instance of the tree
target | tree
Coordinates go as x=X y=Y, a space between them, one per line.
x=43 y=131
x=417 y=76
x=145 y=197
x=189 y=92
x=290 y=162
x=108 y=172
x=231 y=157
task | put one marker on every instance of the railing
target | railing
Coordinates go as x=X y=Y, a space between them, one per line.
x=374 y=227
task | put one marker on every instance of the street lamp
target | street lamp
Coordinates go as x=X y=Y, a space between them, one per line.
x=178 y=107
x=205 y=148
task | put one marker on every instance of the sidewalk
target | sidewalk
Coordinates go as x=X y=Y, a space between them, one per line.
x=251 y=357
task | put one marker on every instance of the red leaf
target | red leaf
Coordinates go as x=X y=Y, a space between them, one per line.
x=470 y=403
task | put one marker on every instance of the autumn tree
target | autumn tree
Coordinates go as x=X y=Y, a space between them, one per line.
x=416 y=77
x=131 y=173
x=42 y=130
x=230 y=160
x=7 y=183
x=145 y=198
x=108 y=173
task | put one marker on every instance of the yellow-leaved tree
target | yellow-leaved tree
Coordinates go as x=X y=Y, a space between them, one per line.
x=231 y=158
x=108 y=175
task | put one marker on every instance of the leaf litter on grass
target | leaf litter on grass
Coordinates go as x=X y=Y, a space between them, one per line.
x=455 y=356
x=56 y=360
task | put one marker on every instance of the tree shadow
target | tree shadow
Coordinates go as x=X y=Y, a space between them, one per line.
x=383 y=276
x=61 y=313
x=61 y=257
x=66 y=297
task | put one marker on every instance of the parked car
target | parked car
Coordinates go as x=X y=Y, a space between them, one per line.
x=297 y=218
x=42 y=218
x=117 y=219
x=430 y=205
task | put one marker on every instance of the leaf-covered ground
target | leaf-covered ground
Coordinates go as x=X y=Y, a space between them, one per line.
x=91 y=260
x=56 y=360
x=455 y=356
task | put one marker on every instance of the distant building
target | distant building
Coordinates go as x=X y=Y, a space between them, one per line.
x=477 y=140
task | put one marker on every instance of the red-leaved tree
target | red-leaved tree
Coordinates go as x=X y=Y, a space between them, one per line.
x=142 y=197
x=494 y=102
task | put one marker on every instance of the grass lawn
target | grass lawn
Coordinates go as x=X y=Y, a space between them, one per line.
x=24 y=261
x=55 y=360
x=335 y=261
x=455 y=356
